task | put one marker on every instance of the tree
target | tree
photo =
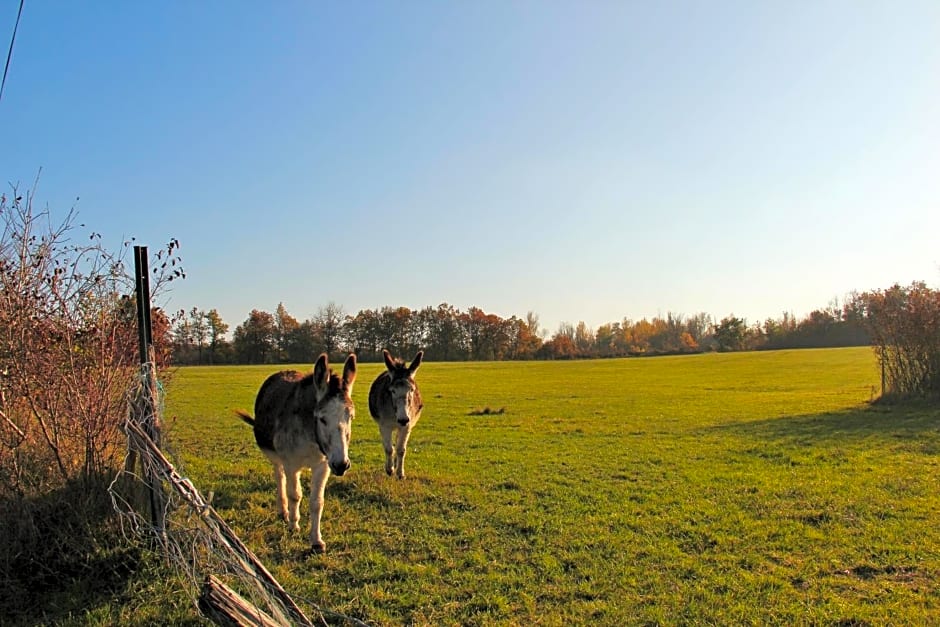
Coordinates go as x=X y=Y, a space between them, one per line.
x=446 y=338
x=527 y=340
x=730 y=334
x=256 y=339
x=698 y=326
x=583 y=338
x=490 y=336
x=561 y=346
x=303 y=344
x=286 y=334
x=182 y=340
x=217 y=330
x=605 y=339
x=199 y=330
x=688 y=343
x=640 y=335
x=532 y=324
x=394 y=330
x=667 y=334
x=361 y=334
x=329 y=325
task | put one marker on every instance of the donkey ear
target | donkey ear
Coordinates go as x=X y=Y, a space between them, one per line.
x=349 y=372
x=413 y=368
x=389 y=363
x=321 y=373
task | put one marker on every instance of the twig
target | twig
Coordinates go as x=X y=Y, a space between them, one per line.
x=13 y=424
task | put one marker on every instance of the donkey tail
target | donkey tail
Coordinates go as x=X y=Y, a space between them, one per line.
x=244 y=415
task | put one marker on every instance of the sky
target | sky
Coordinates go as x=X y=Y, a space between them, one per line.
x=586 y=161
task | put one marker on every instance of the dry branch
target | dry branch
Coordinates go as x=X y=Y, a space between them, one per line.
x=225 y=607
x=292 y=614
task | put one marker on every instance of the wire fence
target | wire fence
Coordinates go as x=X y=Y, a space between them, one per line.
x=225 y=580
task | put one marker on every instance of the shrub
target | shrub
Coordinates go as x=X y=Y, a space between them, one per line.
x=68 y=359
x=905 y=327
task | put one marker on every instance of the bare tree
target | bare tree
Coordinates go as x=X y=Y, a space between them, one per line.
x=329 y=323
x=532 y=322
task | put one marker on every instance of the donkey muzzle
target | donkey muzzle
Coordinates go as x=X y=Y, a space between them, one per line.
x=404 y=421
x=340 y=469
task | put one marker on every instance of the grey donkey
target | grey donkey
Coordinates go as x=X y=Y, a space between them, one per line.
x=395 y=404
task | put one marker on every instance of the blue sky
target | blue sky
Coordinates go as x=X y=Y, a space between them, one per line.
x=584 y=160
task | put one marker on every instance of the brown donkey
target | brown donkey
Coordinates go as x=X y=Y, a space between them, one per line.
x=395 y=404
x=304 y=421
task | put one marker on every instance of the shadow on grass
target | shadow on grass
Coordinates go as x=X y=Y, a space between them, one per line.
x=889 y=423
x=352 y=493
x=62 y=554
x=234 y=491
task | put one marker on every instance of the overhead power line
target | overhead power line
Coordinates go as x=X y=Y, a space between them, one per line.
x=6 y=68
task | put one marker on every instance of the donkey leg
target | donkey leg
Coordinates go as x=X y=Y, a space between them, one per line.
x=387 y=445
x=294 y=496
x=280 y=479
x=403 y=434
x=321 y=472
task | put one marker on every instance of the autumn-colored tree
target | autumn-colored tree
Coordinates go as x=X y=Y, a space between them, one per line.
x=560 y=346
x=489 y=335
x=687 y=343
x=905 y=327
x=698 y=326
x=526 y=342
x=639 y=336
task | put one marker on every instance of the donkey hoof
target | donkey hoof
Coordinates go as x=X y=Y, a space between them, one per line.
x=318 y=548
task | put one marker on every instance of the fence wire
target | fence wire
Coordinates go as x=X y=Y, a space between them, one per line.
x=196 y=542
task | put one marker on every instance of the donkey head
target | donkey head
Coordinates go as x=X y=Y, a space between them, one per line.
x=334 y=411
x=402 y=387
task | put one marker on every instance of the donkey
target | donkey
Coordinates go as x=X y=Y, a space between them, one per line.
x=395 y=404
x=304 y=421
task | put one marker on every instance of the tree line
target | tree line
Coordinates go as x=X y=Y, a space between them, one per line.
x=446 y=333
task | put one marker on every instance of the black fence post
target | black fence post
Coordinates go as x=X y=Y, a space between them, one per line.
x=148 y=400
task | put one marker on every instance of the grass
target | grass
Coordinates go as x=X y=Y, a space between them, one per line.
x=744 y=488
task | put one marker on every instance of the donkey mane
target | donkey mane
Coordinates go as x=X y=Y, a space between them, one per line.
x=401 y=370
x=336 y=385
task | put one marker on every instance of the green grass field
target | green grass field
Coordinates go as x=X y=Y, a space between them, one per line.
x=743 y=488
